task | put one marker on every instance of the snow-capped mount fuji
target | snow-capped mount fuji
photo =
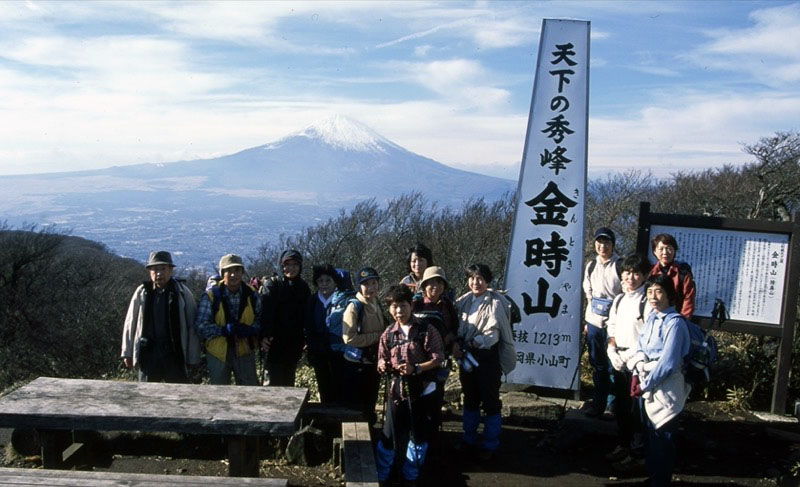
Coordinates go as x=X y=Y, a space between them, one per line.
x=250 y=196
x=343 y=133
x=339 y=160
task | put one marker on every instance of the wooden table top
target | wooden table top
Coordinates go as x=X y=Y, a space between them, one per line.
x=101 y=405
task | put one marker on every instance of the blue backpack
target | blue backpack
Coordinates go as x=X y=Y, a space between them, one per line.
x=701 y=356
x=333 y=320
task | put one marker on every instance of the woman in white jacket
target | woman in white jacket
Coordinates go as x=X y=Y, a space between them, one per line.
x=481 y=313
x=658 y=376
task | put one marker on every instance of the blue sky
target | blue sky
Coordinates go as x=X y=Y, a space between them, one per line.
x=674 y=85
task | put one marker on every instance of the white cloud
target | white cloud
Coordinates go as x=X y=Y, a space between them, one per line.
x=691 y=132
x=769 y=51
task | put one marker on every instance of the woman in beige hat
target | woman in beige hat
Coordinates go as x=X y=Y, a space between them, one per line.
x=435 y=306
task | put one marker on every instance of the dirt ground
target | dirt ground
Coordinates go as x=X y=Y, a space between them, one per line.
x=715 y=448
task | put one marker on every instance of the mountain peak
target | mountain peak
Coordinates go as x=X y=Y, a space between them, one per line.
x=345 y=133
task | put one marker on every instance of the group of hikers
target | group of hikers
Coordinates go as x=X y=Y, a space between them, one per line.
x=636 y=344
x=638 y=337
x=350 y=341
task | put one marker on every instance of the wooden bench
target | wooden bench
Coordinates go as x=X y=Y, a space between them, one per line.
x=359 y=461
x=37 y=477
x=241 y=414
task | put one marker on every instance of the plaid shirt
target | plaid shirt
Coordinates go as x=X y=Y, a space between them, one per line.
x=395 y=349
x=405 y=351
x=207 y=328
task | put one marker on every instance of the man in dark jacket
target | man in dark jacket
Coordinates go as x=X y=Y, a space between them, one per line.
x=282 y=316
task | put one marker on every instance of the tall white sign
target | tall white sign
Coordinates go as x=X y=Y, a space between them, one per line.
x=543 y=272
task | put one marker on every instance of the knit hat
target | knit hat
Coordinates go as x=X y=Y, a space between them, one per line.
x=159 y=257
x=430 y=273
x=366 y=274
x=291 y=254
x=229 y=260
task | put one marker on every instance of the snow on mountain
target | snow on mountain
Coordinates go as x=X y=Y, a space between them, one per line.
x=342 y=133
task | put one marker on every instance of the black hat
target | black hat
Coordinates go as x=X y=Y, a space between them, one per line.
x=366 y=274
x=324 y=270
x=607 y=233
x=159 y=257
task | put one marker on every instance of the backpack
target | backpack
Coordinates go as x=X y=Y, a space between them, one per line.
x=514 y=313
x=333 y=320
x=701 y=356
x=507 y=349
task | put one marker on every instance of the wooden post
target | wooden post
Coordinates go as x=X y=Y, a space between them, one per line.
x=787 y=321
x=53 y=444
x=243 y=456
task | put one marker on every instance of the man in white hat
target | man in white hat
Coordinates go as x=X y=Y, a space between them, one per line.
x=228 y=319
x=159 y=337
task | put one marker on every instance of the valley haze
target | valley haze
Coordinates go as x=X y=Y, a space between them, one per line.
x=202 y=209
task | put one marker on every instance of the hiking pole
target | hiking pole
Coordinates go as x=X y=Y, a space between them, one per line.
x=411 y=434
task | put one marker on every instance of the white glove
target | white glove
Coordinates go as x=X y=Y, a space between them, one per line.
x=626 y=355
x=613 y=356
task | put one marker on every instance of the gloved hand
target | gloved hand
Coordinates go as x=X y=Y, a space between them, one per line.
x=614 y=358
x=636 y=387
x=243 y=331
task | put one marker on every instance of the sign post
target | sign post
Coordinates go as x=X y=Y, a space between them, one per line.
x=750 y=267
x=545 y=258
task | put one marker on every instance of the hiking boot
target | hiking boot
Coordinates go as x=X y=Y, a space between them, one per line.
x=592 y=412
x=485 y=455
x=617 y=454
x=464 y=447
x=629 y=464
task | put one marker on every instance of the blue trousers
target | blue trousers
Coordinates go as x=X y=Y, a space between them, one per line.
x=659 y=446
x=597 y=342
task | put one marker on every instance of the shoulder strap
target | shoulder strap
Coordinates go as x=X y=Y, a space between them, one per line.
x=592 y=265
x=618 y=266
x=642 y=304
x=617 y=300
x=359 y=313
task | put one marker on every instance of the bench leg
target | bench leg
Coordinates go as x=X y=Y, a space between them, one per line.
x=243 y=456
x=53 y=444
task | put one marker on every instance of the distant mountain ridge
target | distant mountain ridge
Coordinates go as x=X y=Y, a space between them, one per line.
x=279 y=187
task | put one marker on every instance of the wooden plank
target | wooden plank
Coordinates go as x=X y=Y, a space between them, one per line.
x=50 y=403
x=359 y=459
x=36 y=477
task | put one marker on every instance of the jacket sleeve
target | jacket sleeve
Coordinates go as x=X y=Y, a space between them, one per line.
x=384 y=354
x=204 y=321
x=688 y=291
x=130 y=325
x=193 y=345
x=268 y=297
x=587 y=282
